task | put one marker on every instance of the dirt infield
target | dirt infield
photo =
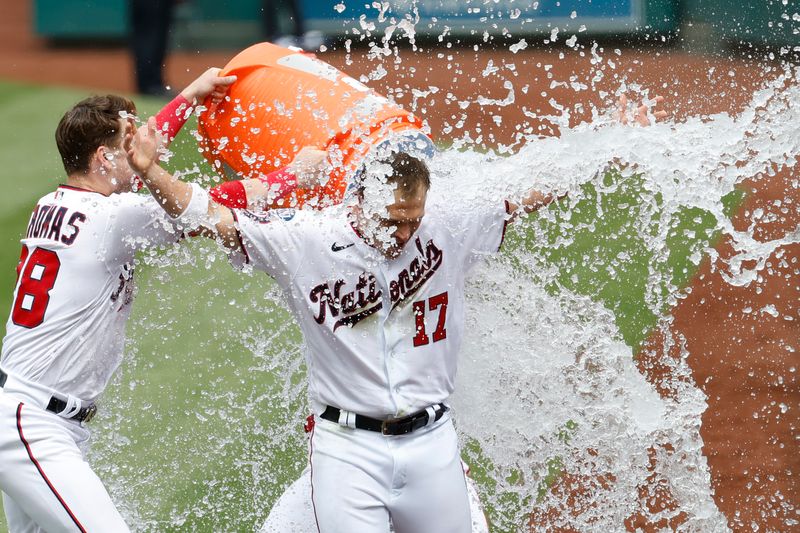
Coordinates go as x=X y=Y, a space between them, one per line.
x=743 y=340
x=743 y=343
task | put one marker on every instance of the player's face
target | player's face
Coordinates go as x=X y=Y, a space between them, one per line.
x=401 y=222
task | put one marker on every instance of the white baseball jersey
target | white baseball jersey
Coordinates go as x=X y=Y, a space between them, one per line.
x=382 y=336
x=75 y=285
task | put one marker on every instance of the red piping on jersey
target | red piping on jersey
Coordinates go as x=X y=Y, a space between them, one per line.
x=355 y=230
x=311 y=469
x=41 y=472
x=239 y=236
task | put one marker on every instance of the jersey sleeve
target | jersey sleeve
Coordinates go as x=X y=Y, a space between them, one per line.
x=478 y=229
x=138 y=223
x=272 y=241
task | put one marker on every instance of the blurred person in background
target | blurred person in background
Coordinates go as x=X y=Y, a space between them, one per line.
x=273 y=14
x=150 y=23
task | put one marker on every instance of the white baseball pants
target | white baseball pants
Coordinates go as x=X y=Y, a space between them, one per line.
x=363 y=480
x=47 y=484
x=294 y=513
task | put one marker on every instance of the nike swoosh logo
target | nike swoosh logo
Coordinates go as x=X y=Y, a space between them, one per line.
x=336 y=248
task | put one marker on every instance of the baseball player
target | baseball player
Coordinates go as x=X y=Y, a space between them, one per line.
x=378 y=290
x=64 y=336
x=377 y=287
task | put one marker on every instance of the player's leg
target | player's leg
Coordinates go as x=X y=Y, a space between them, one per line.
x=18 y=521
x=351 y=472
x=293 y=512
x=434 y=496
x=44 y=473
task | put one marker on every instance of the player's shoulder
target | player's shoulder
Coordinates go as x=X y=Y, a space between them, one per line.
x=133 y=199
x=83 y=197
x=435 y=220
x=132 y=208
x=73 y=199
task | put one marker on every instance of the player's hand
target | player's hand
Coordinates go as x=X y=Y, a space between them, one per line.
x=311 y=167
x=142 y=148
x=208 y=83
x=641 y=114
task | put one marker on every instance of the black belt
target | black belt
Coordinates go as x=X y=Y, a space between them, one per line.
x=57 y=405
x=392 y=426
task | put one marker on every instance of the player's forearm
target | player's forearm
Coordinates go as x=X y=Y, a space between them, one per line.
x=225 y=226
x=172 y=194
x=533 y=201
x=275 y=186
x=175 y=196
x=174 y=115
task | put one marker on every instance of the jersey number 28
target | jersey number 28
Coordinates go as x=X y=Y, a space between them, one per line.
x=37 y=274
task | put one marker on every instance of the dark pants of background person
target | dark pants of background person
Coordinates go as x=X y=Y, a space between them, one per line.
x=150 y=22
x=273 y=10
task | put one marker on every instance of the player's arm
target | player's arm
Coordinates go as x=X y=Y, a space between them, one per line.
x=183 y=202
x=532 y=201
x=307 y=170
x=175 y=114
x=189 y=203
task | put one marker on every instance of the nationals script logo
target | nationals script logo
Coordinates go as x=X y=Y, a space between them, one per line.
x=364 y=299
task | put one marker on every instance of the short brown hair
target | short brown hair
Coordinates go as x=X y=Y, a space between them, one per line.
x=408 y=173
x=91 y=123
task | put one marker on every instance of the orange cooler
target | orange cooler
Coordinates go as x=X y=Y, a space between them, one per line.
x=284 y=100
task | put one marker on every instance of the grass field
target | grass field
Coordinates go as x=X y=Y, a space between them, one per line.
x=208 y=351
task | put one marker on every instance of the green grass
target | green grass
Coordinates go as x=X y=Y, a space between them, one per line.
x=598 y=244
x=207 y=409
x=198 y=431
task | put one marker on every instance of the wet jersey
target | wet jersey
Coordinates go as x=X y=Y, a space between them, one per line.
x=75 y=286
x=382 y=335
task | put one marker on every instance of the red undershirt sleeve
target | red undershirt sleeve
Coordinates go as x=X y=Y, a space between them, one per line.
x=281 y=182
x=173 y=116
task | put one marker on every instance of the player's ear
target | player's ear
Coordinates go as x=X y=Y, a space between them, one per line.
x=104 y=158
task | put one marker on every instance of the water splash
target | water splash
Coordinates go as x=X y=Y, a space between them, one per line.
x=545 y=377
x=546 y=383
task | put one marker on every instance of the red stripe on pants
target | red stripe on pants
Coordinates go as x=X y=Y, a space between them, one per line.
x=41 y=472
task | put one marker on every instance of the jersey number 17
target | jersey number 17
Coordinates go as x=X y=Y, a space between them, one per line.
x=434 y=302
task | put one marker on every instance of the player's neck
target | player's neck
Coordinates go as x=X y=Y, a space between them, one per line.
x=90 y=182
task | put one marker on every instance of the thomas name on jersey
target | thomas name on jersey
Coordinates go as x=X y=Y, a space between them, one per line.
x=47 y=222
